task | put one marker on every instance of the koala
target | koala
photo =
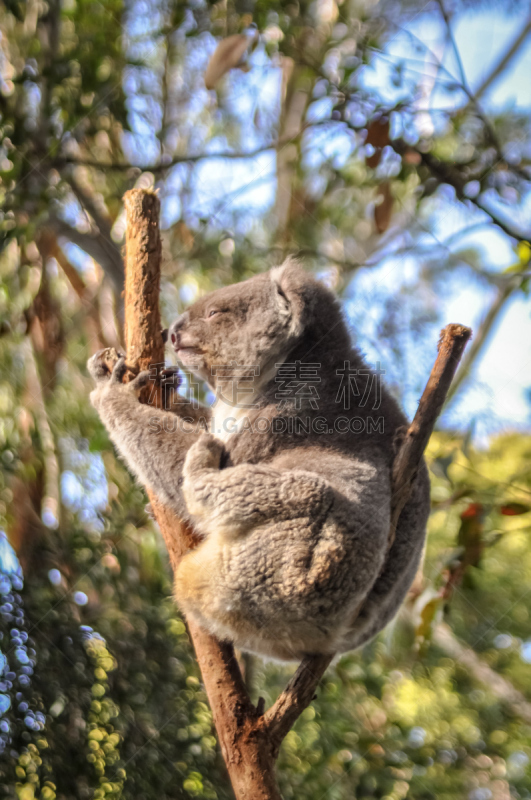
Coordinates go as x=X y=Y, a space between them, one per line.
x=287 y=478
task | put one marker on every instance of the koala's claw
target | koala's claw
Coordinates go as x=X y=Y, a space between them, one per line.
x=119 y=370
x=102 y=364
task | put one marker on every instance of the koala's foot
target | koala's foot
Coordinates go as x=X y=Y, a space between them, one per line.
x=202 y=462
x=206 y=453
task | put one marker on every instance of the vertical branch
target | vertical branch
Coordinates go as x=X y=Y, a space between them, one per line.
x=51 y=501
x=294 y=99
x=243 y=743
x=143 y=341
x=45 y=326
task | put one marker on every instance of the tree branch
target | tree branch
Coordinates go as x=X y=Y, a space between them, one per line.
x=300 y=690
x=297 y=695
x=448 y=173
x=472 y=98
x=250 y=740
x=108 y=247
x=499 y=686
x=105 y=252
x=505 y=60
x=451 y=345
x=248 y=759
x=88 y=301
x=156 y=168
x=51 y=499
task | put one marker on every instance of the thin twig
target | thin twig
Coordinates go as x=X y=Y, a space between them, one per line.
x=452 y=343
x=505 y=60
x=448 y=173
x=473 y=100
x=297 y=695
x=156 y=168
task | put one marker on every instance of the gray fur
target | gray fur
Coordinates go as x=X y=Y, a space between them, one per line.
x=295 y=525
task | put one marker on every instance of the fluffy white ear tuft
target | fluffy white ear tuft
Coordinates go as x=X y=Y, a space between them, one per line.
x=287 y=280
x=281 y=299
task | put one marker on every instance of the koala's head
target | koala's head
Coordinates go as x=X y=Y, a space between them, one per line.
x=255 y=323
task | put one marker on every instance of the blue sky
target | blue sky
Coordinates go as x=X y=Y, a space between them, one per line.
x=503 y=373
x=234 y=194
x=496 y=396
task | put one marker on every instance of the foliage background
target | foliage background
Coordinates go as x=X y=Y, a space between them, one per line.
x=389 y=144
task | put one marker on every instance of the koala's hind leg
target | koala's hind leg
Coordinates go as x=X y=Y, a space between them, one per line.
x=284 y=556
x=237 y=499
x=206 y=591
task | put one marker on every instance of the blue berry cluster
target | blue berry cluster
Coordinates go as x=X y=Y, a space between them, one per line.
x=17 y=656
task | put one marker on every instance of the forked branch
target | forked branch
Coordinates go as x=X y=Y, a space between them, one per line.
x=249 y=739
x=301 y=688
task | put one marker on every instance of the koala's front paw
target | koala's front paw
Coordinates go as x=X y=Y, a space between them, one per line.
x=206 y=453
x=101 y=365
x=109 y=379
x=118 y=373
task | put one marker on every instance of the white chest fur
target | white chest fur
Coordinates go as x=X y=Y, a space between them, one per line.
x=227 y=419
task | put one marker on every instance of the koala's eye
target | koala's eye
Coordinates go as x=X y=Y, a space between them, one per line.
x=213 y=312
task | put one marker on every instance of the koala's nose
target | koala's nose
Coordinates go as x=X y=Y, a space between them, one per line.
x=176 y=327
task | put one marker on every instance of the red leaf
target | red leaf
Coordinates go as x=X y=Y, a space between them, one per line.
x=412 y=157
x=472 y=511
x=514 y=509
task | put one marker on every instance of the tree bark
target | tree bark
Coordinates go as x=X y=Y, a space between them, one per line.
x=452 y=343
x=249 y=739
x=242 y=740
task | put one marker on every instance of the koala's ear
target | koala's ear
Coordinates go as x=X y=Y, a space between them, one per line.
x=288 y=281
